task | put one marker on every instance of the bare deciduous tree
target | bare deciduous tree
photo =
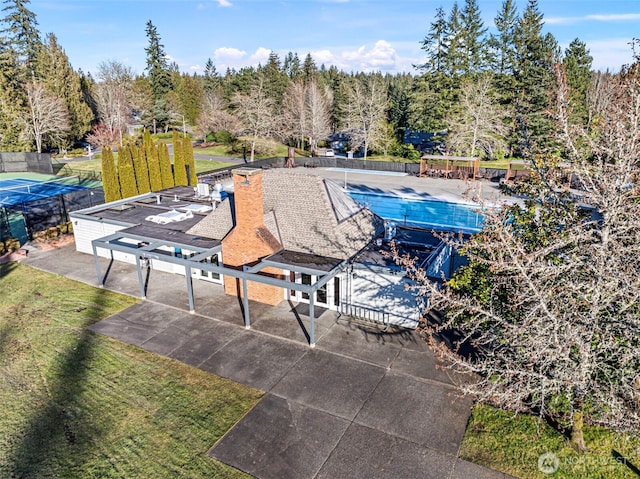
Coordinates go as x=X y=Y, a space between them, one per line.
x=366 y=105
x=214 y=115
x=318 y=103
x=112 y=94
x=305 y=113
x=294 y=112
x=478 y=125
x=549 y=305
x=46 y=116
x=256 y=113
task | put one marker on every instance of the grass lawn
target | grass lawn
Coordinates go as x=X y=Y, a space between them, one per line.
x=78 y=404
x=281 y=151
x=497 y=439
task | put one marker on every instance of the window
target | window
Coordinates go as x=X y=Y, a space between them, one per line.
x=321 y=294
x=306 y=279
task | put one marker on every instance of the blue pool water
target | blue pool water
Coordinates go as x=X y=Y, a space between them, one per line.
x=423 y=213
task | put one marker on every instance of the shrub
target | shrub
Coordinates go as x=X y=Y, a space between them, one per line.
x=223 y=136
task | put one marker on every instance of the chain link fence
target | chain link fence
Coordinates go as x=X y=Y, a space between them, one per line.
x=22 y=161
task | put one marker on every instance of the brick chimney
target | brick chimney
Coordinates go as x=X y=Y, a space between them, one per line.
x=250 y=240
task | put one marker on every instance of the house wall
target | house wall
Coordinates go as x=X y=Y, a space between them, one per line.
x=87 y=229
x=383 y=290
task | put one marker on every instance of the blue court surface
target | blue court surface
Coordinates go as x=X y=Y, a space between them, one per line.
x=19 y=190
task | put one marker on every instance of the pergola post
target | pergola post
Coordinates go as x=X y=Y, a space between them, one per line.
x=97 y=262
x=312 y=326
x=143 y=293
x=245 y=302
x=187 y=272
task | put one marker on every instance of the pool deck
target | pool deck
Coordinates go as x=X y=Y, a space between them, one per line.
x=408 y=186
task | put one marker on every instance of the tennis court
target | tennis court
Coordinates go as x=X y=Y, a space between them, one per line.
x=16 y=191
x=31 y=203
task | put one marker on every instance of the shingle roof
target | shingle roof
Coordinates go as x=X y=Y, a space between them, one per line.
x=306 y=213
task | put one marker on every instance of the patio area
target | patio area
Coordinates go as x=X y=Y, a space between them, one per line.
x=359 y=404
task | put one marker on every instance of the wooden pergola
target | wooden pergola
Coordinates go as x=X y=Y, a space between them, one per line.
x=440 y=166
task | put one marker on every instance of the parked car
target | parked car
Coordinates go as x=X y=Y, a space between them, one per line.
x=329 y=152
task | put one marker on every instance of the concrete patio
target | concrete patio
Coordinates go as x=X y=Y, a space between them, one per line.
x=359 y=404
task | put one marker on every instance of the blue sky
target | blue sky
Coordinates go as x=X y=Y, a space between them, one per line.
x=354 y=35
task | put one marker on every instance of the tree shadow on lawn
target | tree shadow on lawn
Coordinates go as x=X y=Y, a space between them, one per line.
x=52 y=433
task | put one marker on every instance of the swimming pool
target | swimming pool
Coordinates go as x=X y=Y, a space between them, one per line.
x=423 y=213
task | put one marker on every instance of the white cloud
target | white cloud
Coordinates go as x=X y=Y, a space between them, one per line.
x=615 y=17
x=228 y=52
x=261 y=55
x=195 y=68
x=610 y=54
x=609 y=17
x=381 y=57
x=224 y=3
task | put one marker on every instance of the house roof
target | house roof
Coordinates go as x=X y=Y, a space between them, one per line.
x=306 y=214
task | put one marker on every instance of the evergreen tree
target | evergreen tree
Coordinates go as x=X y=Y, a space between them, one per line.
x=503 y=45
x=141 y=168
x=166 y=171
x=291 y=65
x=153 y=160
x=189 y=161
x=473 y=41
x=157 y=68
x=399 y=100
x=454 y=61
x=21 y=31
x=577 y=62
x=435 y=44
x=190 y=96
x=275 y=79
x=533 y=78
x=179 y=167
x=335 y=81
x=309 y=69
x=56 y=73
x=211 y=79
x=110 y=181
x=12 y=102
x=126 y=172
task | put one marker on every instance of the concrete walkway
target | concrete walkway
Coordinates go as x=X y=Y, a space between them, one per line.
x=360 y=404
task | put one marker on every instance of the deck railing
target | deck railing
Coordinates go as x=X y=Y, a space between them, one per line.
x=369 y=316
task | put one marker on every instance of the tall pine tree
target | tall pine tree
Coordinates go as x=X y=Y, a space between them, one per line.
x=56 y=73
x=577 y=62
x=533 y=75
x=21 y=31
x=159 y=77
x=12 y=102
x=473 y=39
